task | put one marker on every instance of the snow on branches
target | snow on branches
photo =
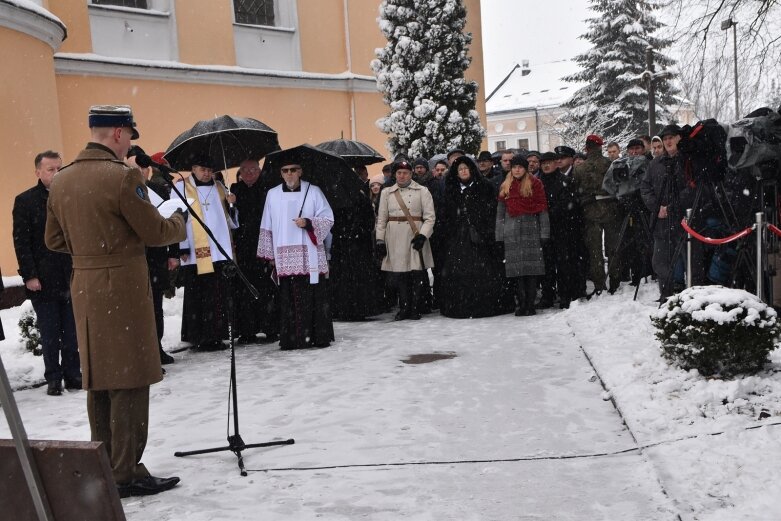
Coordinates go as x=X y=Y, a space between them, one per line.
x=620 y=33
x=420 y=73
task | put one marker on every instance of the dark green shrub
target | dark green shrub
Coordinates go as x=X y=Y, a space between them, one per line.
x=716 y=330
x=29 y=332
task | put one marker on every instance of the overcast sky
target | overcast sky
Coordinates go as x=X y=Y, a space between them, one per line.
x=536 y=30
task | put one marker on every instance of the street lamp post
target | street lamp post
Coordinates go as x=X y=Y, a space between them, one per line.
x=725 y=26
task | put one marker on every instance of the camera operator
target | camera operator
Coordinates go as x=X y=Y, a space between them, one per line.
x=667 y=194
x=623 y=180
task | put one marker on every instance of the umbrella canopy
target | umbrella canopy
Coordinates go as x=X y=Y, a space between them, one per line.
x=226 y=141
x=340 y=184
x=354 y=152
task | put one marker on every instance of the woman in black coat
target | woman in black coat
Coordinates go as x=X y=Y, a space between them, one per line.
x=471 y=274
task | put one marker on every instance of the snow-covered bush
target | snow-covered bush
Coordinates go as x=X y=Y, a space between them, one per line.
x=28 y=329
x=717 y=330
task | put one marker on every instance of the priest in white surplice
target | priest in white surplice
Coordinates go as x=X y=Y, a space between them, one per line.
x=296 y=220
x=206 y=291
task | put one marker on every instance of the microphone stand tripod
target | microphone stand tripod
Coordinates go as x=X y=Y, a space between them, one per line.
x=235 y=443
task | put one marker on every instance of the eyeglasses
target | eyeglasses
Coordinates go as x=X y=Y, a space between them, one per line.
x=290 y=170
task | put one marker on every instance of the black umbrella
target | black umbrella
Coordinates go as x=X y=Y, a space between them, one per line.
x=226 y=141
x=340 y=184
x=354 y=152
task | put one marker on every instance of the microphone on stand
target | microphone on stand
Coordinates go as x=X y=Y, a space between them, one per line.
x=144 y=161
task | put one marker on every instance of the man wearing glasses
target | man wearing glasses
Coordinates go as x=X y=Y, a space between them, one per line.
x=296 y=221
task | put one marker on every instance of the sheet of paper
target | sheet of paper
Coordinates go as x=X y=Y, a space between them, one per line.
x=167 y=208
x=155 y=199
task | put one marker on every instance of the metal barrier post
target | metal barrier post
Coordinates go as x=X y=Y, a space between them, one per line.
x=688 y=251
x=760 y=236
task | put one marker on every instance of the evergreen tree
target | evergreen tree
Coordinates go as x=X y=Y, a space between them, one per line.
x=420 y=73
x=620 y=33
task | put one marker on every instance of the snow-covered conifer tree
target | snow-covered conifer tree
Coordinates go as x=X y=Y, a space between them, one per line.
x=420 y=73
x=620 y=33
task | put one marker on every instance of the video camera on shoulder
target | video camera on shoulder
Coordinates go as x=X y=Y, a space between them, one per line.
x=703 y=150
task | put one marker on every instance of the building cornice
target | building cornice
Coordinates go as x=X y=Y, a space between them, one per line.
x=96 y=65
x=34 y=21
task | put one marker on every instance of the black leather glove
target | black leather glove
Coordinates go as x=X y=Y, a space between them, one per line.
x=184 y=213
x=382 y=250
x=418 y=241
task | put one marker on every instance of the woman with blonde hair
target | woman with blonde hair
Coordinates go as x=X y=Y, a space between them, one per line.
x=522 y=225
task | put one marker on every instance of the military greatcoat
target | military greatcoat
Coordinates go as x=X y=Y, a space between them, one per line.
x=99 y=212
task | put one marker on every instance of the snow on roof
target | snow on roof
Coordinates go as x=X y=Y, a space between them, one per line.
x=29 y=5
x=542 y=87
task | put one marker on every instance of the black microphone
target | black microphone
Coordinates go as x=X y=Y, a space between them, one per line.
x=144 y=161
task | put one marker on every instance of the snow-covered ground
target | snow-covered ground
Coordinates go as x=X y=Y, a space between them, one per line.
x=515 y=426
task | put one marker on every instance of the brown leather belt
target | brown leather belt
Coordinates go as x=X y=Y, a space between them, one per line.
x=404 y=219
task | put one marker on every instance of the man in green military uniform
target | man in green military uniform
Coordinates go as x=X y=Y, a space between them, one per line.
x=601 y=214
x=99 y=212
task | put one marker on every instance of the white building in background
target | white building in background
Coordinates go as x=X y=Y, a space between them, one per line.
x=522 y=110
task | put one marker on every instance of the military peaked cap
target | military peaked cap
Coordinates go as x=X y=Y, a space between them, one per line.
x=112 y=116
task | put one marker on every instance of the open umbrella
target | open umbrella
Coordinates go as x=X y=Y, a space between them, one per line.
x=339 y=183
x=355 y=153
x=226 y=141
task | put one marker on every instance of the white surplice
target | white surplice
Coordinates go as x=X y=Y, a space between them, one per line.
x=292 y=249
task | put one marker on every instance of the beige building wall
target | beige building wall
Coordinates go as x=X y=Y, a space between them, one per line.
x=205 y=32
x=45 y=102
x=30 y=123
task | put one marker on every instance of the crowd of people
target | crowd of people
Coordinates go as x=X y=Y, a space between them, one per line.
x=470 y=237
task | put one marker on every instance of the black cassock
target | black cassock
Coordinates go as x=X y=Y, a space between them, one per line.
x=353 y=279
x=471 y=274
x=306 y=319
x=262 y=315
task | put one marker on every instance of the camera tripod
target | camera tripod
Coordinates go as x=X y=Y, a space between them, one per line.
x=729 y=219
x=640 y=237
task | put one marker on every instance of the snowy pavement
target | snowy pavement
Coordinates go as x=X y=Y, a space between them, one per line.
x=515 y=426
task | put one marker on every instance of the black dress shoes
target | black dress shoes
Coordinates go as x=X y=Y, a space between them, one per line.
x=54 y=388
x=165 y=358
x=146 y=486
x=73 y=384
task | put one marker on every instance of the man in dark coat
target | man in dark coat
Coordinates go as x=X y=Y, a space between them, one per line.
x=494 y=174
x=667 y=195
x=99 y=212
x=46 y=276
x=436 y=185
x=561 y=253
x=262 y=315
x=160 y=259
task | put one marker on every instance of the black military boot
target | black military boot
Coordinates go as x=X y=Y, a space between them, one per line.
x=530 y=286
x=520 y=296
x=403 y=288
x=415 y=296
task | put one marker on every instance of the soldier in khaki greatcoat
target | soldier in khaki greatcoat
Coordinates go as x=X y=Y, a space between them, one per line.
x=99 y=212
x=601 y=215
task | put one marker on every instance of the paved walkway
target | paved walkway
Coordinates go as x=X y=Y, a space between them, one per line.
x=484 y=432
